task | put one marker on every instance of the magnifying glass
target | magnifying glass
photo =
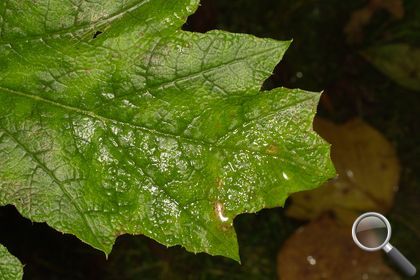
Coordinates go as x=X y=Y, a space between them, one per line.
x=371 y=232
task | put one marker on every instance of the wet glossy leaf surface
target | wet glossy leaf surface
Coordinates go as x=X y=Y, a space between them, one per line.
x=10 y=267
x=113 y=121
x=368 y=174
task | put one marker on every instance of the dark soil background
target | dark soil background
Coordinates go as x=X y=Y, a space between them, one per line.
x=322 y=57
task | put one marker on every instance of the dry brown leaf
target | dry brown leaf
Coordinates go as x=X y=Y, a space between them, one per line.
x=362 y=17
x=368 y=171
x=325 y=250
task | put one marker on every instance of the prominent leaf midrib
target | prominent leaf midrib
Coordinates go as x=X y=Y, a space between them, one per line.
x=76 y=28
x=201 y=72
x=146 y=129
x=55 y=179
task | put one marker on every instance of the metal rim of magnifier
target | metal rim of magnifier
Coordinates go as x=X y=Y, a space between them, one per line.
x=370 y=214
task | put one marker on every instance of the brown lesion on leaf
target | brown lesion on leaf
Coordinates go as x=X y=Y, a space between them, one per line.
x=219 y=183
x=272 y=149
x=225 y=226
x=225 y=222
x=219 y=211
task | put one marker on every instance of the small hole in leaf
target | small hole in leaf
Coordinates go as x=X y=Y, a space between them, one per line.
x=97 y=33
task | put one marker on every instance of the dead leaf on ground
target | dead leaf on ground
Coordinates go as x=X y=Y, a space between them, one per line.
x=362 y=17
x=325 y=250
x=368 y=171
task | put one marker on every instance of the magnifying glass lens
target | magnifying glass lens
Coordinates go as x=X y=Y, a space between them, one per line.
x=371 y=232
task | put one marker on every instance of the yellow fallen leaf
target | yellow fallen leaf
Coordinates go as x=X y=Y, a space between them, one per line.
x=368 y=171
x=325 y=250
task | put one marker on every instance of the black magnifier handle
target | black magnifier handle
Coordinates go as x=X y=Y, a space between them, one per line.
x=405 y=265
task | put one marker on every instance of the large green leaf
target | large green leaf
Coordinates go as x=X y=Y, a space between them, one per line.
x=10 y=267
x=145 y=128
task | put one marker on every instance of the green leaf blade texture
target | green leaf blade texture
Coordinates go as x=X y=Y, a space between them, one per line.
x=146 y=128
x=10 y=266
